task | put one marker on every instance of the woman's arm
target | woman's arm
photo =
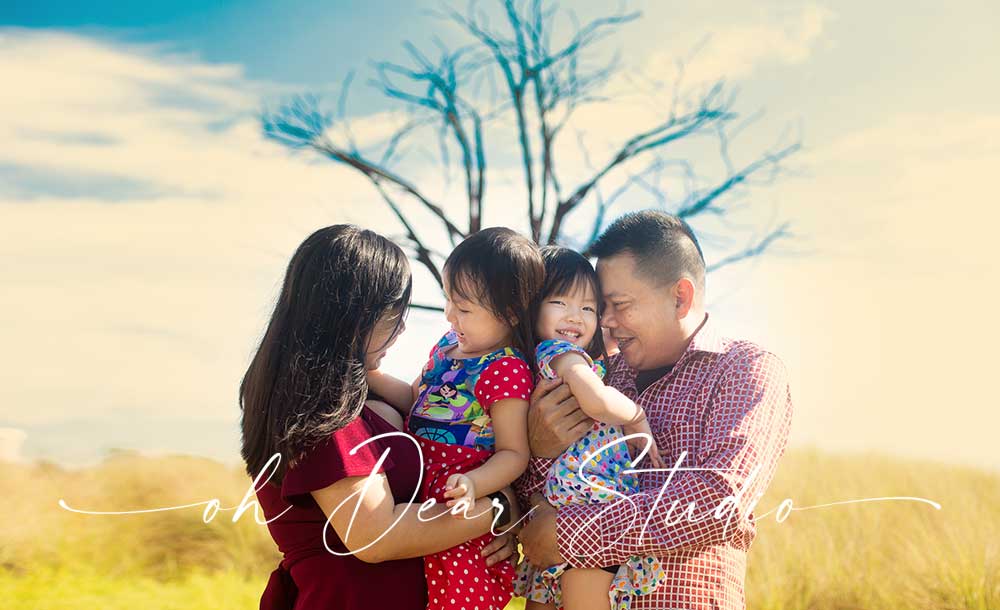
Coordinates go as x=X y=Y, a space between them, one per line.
x=386 y=412
x=598 y=401
x=376 y=512
x=396 y=392
x=508 y=462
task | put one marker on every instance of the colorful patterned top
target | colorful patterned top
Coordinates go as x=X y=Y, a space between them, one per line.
x=452 y=425
x=455 y=394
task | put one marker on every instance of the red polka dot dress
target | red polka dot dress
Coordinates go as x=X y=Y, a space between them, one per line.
x=451 y=422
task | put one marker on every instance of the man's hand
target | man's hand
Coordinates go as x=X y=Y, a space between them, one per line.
x=500 y=548
x=555 y=420
x=538 y=537
x=637 y=445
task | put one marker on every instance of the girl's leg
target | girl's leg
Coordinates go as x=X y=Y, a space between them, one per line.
x=530 y=605
x=586 y=589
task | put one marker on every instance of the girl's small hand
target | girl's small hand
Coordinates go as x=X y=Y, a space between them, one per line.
x=462 y=490
x=636 y=445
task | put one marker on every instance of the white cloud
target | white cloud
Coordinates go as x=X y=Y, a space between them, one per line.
x=643 y=94
x=736 y=51
x=146 y=304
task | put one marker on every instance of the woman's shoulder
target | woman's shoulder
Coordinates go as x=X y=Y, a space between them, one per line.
x=347 y=452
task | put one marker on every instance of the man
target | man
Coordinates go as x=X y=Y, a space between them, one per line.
x=719 y=409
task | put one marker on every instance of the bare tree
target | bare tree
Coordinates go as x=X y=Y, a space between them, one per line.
x=536 y=85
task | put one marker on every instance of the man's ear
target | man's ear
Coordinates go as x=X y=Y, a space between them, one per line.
x=683 y=293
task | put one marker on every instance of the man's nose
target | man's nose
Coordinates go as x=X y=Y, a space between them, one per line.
x=608 y=320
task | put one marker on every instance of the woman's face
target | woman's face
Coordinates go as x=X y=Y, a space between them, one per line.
x=383 y=336
x=570 y=317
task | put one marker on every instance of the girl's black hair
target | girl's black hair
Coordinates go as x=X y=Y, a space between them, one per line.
x=504 y=271
x=565 y=271
x=308 y=377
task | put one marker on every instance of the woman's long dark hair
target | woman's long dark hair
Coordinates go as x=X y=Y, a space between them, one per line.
x=308 y=377
x=504 y=271
x=565 y=271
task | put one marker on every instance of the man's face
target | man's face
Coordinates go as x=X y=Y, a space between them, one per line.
x=639 y=315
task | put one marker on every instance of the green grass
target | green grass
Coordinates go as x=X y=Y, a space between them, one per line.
x=876 y=555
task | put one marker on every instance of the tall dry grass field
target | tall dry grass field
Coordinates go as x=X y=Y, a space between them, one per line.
x=874 y=555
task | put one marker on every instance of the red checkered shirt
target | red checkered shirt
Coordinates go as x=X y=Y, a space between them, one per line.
x=727 y=404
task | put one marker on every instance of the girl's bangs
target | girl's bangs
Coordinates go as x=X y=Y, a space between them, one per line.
x=462 y=284
x=569 y=281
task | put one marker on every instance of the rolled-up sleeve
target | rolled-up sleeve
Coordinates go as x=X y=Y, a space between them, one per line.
x=532 y=481
x=746 y=427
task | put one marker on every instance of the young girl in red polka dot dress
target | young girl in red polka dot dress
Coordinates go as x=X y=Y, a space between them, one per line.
x=468 y=409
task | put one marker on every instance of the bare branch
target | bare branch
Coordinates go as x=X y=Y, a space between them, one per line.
x=753 y=250
x=440 y=96
x=300 y=124
x=704 y=199
x=378 y=175
x=710 y=112
x=421 y=253
x=536 y=85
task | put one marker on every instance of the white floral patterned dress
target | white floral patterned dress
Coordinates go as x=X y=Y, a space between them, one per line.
x=602 y=474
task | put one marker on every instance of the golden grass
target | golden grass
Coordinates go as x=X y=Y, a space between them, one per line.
x=877 y=555
x=873 y=555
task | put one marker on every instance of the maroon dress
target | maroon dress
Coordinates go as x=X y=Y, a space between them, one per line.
x=309 y=577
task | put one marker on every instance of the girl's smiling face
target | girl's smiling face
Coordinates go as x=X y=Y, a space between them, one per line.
x=570 y=317
x=479 y=330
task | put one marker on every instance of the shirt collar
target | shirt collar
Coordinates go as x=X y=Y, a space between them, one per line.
x=705 y=339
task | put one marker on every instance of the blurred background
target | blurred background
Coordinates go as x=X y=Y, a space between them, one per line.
x=163 y=162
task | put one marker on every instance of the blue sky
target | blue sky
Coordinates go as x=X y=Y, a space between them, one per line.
x=311 y=43
x=921 y=56
x=150 y=221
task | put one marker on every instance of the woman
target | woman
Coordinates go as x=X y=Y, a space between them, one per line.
x=304 y=397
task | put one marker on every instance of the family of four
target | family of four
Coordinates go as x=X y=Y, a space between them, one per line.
x=635 y=454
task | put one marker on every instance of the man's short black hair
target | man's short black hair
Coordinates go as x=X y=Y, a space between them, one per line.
x=664 y=246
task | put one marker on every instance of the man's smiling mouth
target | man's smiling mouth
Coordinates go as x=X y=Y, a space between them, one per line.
x=623 y=342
